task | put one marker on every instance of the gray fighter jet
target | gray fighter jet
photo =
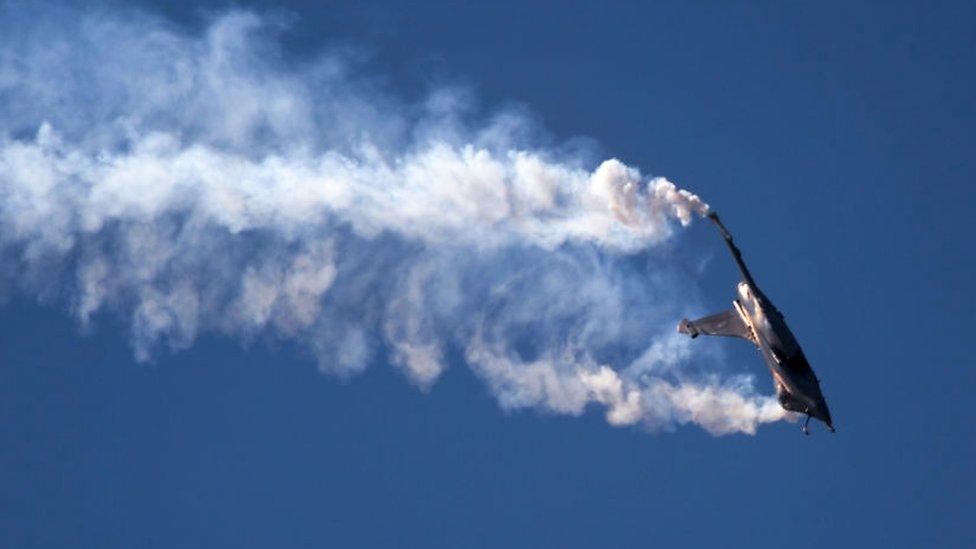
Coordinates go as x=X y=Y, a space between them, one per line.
x=755 y=318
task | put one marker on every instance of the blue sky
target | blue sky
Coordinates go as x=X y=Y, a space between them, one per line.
x=836 y=143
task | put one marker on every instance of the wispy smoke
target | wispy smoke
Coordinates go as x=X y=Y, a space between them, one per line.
x=195 y=183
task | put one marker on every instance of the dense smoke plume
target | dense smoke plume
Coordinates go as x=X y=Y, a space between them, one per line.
x=201 y=181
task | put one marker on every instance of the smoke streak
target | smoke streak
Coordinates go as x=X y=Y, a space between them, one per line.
x=190 y=183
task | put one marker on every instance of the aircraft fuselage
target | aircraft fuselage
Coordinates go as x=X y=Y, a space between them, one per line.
x=797 y=386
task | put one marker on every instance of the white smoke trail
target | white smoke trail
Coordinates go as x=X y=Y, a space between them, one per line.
x=188 y=184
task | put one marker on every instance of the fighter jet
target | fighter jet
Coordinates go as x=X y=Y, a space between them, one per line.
x=754 y=317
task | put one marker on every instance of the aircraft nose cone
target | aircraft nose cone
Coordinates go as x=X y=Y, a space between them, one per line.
x=822 y=413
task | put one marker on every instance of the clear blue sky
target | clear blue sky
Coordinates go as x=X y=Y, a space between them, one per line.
x=838 y=142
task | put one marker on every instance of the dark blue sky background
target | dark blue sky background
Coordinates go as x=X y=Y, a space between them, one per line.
x=837 y=142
